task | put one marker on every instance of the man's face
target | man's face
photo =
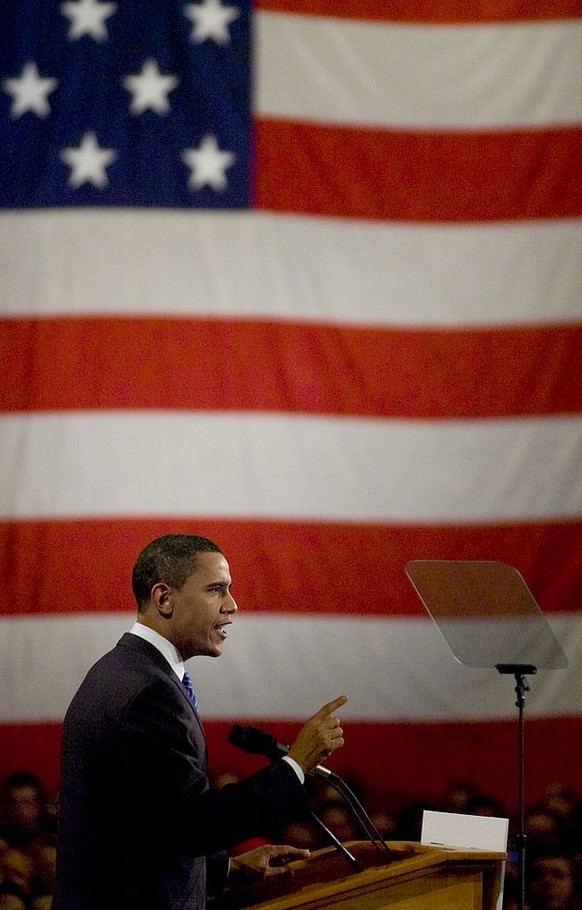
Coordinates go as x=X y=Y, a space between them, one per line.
x=24 y=807
x=552 y=883
x=203 y=608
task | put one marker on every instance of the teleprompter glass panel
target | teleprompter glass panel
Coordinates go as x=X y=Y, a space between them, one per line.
x=486 y=613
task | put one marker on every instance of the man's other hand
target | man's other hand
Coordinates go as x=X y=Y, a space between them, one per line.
x=265 y=861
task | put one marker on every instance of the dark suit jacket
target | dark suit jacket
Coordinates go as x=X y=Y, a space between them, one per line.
x=137 y=816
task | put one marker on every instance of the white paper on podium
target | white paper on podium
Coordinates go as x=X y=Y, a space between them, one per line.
x=452 y=829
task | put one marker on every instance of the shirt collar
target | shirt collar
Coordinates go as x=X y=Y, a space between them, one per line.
x=165 y=647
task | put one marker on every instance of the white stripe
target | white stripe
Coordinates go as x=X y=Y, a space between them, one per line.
x=414 y=76
x=223 y=464
x=268 y=266
x=287 y=667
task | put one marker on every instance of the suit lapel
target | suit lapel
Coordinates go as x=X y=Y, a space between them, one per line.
x=135 y=643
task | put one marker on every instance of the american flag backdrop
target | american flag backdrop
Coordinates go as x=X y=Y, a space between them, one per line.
x=305 y=277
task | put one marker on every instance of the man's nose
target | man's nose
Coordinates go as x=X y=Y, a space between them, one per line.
x=230 y=605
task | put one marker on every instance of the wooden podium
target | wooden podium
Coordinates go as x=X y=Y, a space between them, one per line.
x=418 y=878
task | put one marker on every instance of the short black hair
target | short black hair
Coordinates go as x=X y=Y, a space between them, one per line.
x=171 y=559
x=20 y=779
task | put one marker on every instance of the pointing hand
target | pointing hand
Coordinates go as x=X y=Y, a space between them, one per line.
x=319 y=737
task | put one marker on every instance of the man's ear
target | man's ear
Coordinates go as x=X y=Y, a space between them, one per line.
x=160 y=596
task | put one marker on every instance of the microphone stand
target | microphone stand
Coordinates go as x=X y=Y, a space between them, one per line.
x=337 y=843
x=355 y=805
x=259 y=742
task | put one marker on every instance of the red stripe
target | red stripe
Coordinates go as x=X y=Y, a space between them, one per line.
x=428 y=11
x=181 y=364
x=395 y=763
x=418 y=176
x=72 y=567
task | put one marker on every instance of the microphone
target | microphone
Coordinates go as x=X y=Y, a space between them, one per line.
x=259 y=742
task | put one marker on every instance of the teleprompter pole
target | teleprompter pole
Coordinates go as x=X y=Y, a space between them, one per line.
x=519 y=671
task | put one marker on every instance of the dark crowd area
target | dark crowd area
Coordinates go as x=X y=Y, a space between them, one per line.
x=553 y=827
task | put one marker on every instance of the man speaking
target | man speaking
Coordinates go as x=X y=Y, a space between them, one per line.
x=139 y=826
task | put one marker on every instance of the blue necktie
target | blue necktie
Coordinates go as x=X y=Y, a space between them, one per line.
x=187 y=683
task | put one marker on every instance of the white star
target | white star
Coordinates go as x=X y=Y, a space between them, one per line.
x=30 y=91
x=87 y=18
x=208 y=164
x=150 y=89
x=88 y=162
x=211 y=20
